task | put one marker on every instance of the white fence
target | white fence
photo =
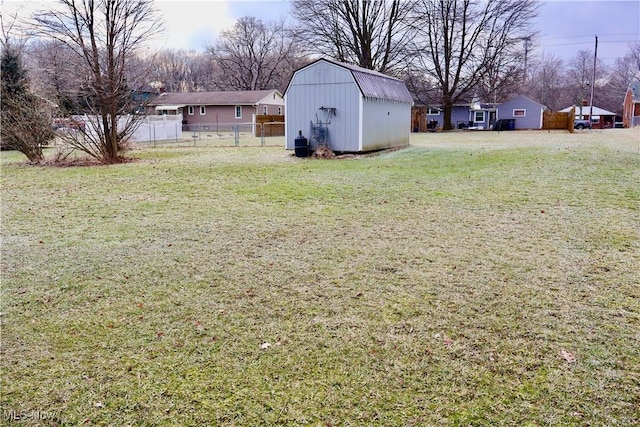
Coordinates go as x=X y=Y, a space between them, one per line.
x=149 y=128
x=159 y=128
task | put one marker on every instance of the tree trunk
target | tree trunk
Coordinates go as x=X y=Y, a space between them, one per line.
x=447 y=107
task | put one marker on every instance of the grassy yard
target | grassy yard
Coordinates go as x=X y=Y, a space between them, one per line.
x=470 y=279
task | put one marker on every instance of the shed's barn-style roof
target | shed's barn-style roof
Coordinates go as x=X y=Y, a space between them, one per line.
x=372 y=84
x=241 y=97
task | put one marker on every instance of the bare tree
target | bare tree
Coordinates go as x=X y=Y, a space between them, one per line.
x=182 y=71
x=459 y=41
x=579 y=79
x=421 y=89
x=254 y=55
x=24 y=117
x=624 y=71
x=103 y=35
x=502 y=80
x=547 y=83
x=372 y=34
x=51 y=75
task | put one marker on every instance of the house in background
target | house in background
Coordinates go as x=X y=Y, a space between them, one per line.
x=601 y=118
x=483 y=115
x=521 y=112
x=222 y=109
x=525 y=113
x=460 y=116
x=348 y=108
x=631 y=106
x=463 y=116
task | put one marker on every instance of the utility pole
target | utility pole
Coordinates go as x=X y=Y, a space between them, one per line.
x=593 y=81
x=527 y=40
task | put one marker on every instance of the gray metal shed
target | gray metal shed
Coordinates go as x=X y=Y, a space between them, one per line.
x=348 y=108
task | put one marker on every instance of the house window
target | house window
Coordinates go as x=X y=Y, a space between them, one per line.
x=478 y=116
x=203 y=110
x=279 y=111
x=191 y=110
x=264 y=110
x=238 y=111
x=433 y=112
x=519 y=112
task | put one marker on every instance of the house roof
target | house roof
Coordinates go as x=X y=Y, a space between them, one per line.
x=586 y=109
x=372 y=84
x=522 y=98
x=241 y=97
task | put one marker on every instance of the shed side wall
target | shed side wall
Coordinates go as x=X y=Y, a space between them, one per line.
x=386 y=124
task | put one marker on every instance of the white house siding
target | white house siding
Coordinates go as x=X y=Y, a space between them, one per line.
x=386 y=124
x=323 y=85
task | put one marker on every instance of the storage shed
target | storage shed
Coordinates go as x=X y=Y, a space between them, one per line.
x=346 y=108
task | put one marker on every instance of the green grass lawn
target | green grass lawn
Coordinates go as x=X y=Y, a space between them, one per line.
x=470 y=279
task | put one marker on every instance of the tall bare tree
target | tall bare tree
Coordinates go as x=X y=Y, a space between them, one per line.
x=255 y=55
x=502 y=80
x=103 y=35
x=48 y=62
x=579 y=78
x=25 y=118
x=547 y=83
x=373 y=34
x=183 y=71
x=624 y=71
x=460 y=41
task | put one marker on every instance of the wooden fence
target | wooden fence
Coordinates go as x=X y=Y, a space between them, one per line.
x=557 y=120
x=273 y=125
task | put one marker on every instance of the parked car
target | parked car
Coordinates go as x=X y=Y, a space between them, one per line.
x=581 y=124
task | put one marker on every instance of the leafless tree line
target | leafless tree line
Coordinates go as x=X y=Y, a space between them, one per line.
x=447 y=51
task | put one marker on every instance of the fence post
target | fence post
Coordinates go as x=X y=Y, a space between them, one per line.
x=236 y=132
x=262 y=134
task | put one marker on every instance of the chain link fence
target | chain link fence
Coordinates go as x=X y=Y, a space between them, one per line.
x=226 y=134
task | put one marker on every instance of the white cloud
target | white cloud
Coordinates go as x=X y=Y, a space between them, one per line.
x=192 y=24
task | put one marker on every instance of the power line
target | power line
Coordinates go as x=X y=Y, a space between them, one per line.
x=590 y=35
x=588 y=43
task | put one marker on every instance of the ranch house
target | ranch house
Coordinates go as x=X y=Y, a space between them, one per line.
x=221 y=109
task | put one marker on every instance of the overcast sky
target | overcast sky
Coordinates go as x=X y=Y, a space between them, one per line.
x=565 y=26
